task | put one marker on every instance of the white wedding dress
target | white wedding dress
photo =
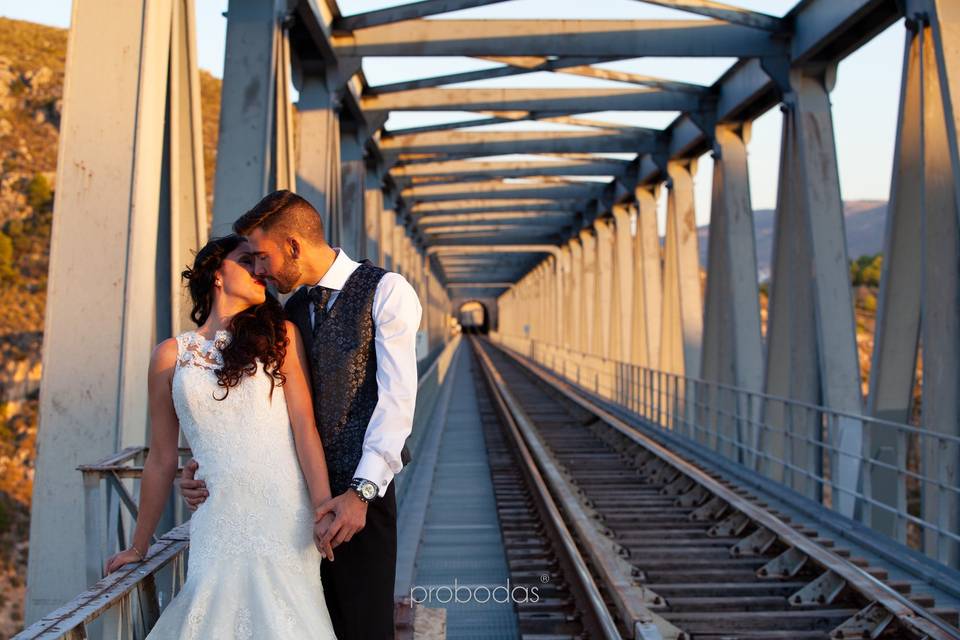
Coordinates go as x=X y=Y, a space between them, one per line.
x=253 y=569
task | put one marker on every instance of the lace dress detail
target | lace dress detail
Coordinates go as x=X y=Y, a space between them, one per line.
x=253 y=569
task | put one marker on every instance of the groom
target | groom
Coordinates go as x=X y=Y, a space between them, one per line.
x=359 y=325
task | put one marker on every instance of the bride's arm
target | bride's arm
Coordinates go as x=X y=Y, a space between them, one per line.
x=313 y=463
x=160 y=467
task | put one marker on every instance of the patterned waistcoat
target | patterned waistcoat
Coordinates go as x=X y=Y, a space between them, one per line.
x=343 y=363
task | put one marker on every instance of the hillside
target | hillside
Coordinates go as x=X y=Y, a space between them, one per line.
x=31 y=80
x=864 y=220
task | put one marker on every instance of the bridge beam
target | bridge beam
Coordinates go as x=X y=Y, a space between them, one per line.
x=490 y=143
x=623 y=38
x=536 y=100
x=468 y=169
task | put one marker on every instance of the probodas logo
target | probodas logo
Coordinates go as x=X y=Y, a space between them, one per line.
x=481 y=593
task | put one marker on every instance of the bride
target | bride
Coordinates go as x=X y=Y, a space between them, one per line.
x=237 y=386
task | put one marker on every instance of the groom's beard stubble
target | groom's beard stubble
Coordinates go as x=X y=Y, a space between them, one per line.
x=287 y=276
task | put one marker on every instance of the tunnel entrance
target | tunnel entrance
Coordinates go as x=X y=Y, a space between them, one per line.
x=473 y=317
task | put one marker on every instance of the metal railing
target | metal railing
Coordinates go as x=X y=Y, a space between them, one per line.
x=896 y=478
x=126 y=604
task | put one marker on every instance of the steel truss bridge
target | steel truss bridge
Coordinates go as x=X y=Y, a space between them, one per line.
x=561 y=246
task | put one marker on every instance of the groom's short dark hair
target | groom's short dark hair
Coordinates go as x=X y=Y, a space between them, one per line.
x=282 y=211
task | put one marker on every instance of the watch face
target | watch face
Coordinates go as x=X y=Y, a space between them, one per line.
x=369 y=490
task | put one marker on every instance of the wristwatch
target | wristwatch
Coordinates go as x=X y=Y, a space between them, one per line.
x=365 y=489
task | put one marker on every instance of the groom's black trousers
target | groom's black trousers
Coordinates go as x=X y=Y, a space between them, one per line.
x=358 y=584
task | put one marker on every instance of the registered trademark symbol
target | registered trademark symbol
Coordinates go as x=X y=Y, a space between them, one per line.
x=545 y=577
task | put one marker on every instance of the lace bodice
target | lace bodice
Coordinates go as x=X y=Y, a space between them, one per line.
x=245 y=448
x=194 y=350
x=253 y=569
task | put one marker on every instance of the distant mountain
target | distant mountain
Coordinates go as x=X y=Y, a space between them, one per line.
x=864 y=220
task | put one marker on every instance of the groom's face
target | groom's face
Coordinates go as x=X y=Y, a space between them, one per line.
x=274 y=260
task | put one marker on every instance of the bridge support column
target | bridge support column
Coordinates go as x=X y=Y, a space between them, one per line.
x=732 y=348
x=682 y=323
x=129 y=203
x=255 y=119
x=920 y=289
x=399 y=247
x=575 y=310
x=352 y=227
x=603 y=312
x=623 y=325
x=647 y=280
x=588 y=341
x=372 y=214
x=813 y=354
x=561 y=293
x=387 y=223
x=318 y=171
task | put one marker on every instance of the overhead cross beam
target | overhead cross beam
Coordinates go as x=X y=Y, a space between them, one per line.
x=533 y=63
x=500 y=117
x=552 y=249
x=486 y=206
x=517 y=65
x=522 y=142
x=725 y=12
x=518 y=169
x=405 y=12
x=514 y=217
x=585 y=68
x=538 y=100
x=499 y=190
x=616 y=38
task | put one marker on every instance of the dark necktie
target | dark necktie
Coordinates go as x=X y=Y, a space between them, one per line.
x=320 y=296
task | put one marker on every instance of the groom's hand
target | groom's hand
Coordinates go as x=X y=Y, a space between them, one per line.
x=194 y=491
x=351 y=514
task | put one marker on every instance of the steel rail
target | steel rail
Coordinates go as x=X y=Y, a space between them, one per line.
x=910 y=615
x=644 y=624
x=599 y=621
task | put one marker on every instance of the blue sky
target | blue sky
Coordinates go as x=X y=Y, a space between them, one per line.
x=864 y=101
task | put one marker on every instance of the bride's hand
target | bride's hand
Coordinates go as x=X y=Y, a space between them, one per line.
x=319 y=528
x=120 y=559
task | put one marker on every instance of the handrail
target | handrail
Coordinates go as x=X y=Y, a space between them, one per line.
x=117 y=591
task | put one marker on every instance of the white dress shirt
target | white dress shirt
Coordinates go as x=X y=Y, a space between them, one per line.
x=396 y=317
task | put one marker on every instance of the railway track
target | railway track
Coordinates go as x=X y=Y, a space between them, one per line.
x=637 y=542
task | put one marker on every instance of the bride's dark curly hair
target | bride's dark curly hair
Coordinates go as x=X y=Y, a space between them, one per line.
x=257 y=331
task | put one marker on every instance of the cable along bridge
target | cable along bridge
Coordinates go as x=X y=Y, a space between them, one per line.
x=598 y=412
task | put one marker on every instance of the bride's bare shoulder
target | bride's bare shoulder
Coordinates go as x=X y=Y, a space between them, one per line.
x=164 y=356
